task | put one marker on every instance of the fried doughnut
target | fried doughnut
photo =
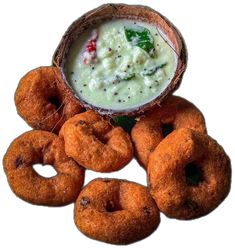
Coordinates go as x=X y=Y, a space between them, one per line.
x=116 y=211
x=176 y=112
x=43 y=100
x=189 y=174
x=42 y=147
x=95 y=144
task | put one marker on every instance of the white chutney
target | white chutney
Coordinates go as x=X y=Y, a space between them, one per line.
x=120 y=64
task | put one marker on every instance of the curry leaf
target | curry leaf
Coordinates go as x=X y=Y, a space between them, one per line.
x=140 y=36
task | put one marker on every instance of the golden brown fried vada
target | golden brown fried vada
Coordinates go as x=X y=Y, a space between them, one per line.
x=176 y=112
x=42 y=147
x=95 y=144
x=116 y=211
x=43 y=100
x=189 y=174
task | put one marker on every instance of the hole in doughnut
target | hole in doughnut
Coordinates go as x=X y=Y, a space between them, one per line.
x=193 y=174
x=55 y=101
x=46 y=170
x=111 y=206
x=167 y=129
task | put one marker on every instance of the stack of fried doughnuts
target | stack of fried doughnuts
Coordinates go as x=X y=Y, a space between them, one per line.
x=189 y=173
x=95 y=144
x=47 y=148
x=150 y=130
x=116 y=211
x=43 y=100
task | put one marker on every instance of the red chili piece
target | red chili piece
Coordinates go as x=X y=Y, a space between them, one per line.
x=90 y=52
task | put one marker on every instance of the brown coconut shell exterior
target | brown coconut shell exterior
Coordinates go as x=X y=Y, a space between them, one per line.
x=123 y=11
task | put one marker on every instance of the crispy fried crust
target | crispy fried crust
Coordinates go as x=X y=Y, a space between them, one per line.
x=42 y=147
x=167 y=174
x=43 y=100
x=95 y=144
x=116 y=211
x=176 y=112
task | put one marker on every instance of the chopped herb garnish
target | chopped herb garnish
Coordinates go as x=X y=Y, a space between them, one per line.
x=115 y=93
x=126 y=122
x=105 y=89
x=84 y=85
x=129 y=77
x=152 y=70
x=118 y=78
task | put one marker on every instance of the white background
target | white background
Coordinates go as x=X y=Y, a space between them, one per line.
x=29 y=34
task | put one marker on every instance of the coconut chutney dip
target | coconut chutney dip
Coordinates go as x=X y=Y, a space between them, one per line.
x=120 y=64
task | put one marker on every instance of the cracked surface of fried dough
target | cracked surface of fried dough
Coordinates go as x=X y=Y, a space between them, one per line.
x=189 y=174
x=116 y=211
x=175 y=112
x=47 y=148
x=43 y=100
x=95 y=144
